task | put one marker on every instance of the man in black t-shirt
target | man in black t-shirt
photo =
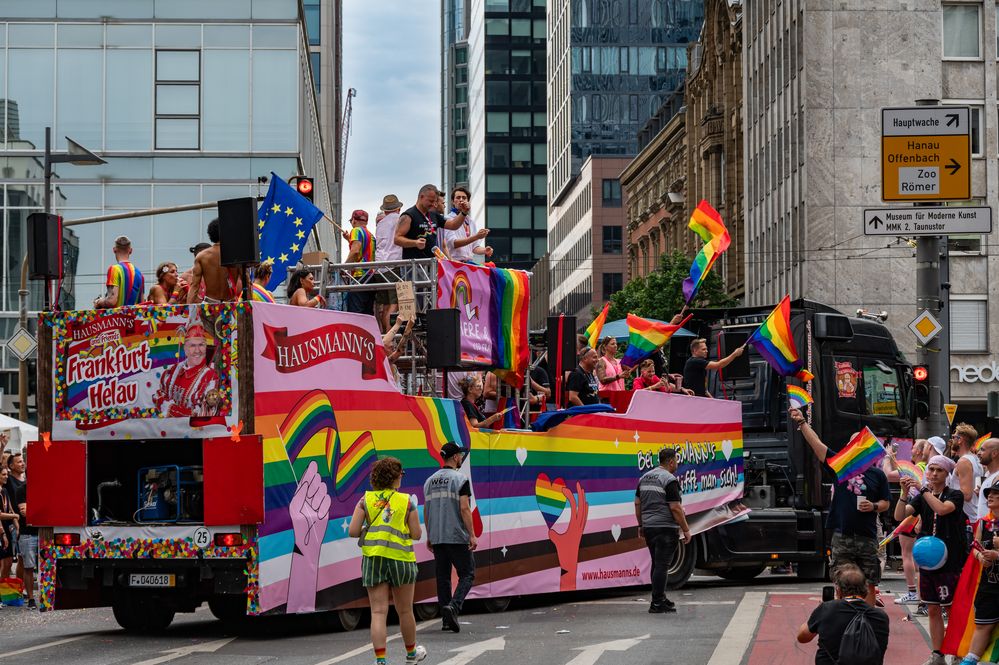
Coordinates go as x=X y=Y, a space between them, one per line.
x=582 y=384
x=941 y=514
x=830 y=619
x=695 y=371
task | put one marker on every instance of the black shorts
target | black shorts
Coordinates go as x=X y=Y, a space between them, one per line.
x=937 y=587
x=986 y=607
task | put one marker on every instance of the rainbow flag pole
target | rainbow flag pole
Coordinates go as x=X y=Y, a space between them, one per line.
x=862 y=452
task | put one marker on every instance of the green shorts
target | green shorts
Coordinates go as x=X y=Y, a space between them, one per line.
x=376 y=570
x=385 y=296
x=859 y=550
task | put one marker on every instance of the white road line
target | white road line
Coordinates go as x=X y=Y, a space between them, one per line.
x=367 y=647
x=739 y=632
x=8 y=654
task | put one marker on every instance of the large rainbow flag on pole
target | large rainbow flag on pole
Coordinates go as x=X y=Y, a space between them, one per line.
x=707 y=223
x=862 y=452
x=775 y=343
x=961 y=622
x=646 y=338
x=593 y=330
x=511 y=294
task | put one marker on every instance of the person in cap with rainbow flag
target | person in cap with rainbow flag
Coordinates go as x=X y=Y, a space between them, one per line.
x=941 y=513
x=853 y=511
x=987 y=597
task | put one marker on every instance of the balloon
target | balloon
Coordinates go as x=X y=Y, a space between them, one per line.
x=929 y=553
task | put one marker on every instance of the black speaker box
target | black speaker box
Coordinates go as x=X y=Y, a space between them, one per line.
x=729 y=341
x=443 y=351
x=568 y=343
x=44 y=246
x=238 y=242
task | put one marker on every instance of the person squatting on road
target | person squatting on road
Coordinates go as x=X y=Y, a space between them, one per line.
x=829 y=621
x=447 y=513
x=853 y=512
x=388 y=560
x=661 y=520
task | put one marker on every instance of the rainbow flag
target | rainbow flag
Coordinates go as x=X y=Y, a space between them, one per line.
x=907 y=468
x=707 y=223
x=961 y=622
x=775 y=343
x=310 y=416
x=798 y=397
x=861 y=453
x=593 y=330
x=980 y=440
x=905 y=526
x=511 y=294
x=11 y=589
x=351 y=467
x=646 y=337
x=442 y=420
x=260 y=294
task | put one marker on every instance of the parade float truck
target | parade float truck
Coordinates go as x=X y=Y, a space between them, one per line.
x=214 y=453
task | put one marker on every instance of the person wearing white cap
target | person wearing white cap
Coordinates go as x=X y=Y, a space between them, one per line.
x=939 y=444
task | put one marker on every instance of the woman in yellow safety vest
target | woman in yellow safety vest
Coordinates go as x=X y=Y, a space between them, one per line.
x=387 y=522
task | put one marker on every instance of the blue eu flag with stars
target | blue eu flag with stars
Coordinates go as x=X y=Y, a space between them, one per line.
x=285 y=220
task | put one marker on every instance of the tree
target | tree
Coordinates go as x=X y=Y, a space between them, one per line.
x=659 y=295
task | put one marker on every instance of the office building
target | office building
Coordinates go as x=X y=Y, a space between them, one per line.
x=186 y=101
x=817 y=77
x=324 y=30
x=454 y=91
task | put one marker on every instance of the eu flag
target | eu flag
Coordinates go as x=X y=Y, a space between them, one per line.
x=286 y=219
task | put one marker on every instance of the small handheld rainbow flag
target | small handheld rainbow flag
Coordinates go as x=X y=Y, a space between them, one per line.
x=775 y=343
x=905 y=526
x=981 y=440
x=798 y=397
x=11 y=589
x=646 y=338
x=862 y=452
x=907 y=468
x=593 y=330
x=707 y=223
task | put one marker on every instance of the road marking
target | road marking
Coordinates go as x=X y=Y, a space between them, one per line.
x=592 y=653
x=641 y=601
x=174 y=654
x=367 y=647
x=470 y=652
x=8 y=654
x=739 y=633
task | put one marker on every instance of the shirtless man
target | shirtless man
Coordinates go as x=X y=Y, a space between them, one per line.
x=221 y=284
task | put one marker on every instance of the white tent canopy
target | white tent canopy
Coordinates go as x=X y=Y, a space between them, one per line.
x=20 y=433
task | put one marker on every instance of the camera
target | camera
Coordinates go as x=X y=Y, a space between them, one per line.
x=828 y=593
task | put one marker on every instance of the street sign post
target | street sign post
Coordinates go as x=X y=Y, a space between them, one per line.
x=926 y=153
x=927 y=221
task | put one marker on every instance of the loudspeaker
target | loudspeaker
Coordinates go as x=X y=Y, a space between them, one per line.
x=567 y=343
x=443 y=351
x=44 y=246
x=238 y=242
x=729 y=341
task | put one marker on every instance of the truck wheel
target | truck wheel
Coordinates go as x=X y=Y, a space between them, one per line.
x=350 y=618
x=496 y=605
x=426 y=611
x=682 y=566
x=741 y=574
x=228 y=608
x=143 y=618
x=813 y=570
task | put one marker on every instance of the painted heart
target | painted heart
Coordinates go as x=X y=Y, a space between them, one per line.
x=616 y=531
x=551 y=501
x=521 y=456
x=727 y=449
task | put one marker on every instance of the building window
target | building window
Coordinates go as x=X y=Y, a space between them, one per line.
x=977 y=125
x=611 y=193
x=613 y=282
x=969 y=243
x=612 y=239
x=178 y=100
x=312 y=22
x=316 y=59
x=969 y=330
x=962 y=30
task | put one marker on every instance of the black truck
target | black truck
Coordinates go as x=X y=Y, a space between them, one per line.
x=861 y=378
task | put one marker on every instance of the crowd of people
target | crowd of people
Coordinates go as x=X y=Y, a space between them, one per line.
x=18 y=540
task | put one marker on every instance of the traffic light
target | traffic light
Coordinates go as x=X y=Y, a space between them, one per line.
x=304 y=186
x=921 y=391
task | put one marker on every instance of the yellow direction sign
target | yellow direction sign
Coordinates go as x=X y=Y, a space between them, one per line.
x=926 y=153
x=951 y=411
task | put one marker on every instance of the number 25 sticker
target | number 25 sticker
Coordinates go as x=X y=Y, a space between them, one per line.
x=202 y=537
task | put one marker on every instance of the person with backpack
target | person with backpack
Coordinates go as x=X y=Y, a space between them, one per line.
x=850 y=631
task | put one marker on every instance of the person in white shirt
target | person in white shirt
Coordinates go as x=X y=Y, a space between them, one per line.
x=463 y=243
x=386 y=299
x=989 y=456
x=967 y=476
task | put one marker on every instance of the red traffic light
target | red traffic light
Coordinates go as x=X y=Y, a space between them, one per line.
x=305 y=186
x=920 y=373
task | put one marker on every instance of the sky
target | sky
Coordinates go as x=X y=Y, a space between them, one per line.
x=391 y=56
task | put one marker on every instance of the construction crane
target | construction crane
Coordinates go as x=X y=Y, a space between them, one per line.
x=344 y=137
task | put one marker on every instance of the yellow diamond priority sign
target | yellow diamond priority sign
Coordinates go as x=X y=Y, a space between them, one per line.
x=21 y=344
x=925 y=327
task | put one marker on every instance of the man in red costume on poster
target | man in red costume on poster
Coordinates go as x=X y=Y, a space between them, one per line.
x=189 y=388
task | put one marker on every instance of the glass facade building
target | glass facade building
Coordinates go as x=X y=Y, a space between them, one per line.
x=454 y=90
x=186 y=101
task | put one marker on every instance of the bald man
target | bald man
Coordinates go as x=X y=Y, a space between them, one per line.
x=988 y=454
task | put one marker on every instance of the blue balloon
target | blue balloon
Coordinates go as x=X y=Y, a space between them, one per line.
x=929 y=553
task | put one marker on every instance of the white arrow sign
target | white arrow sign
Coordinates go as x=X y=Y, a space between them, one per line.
x=174 y=654
x=592 y=653
x=467 y=654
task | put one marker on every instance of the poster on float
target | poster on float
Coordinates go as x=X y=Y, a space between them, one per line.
x=552 y=510
x=145 y=372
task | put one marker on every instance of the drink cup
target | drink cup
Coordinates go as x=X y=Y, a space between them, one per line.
x=860 y=499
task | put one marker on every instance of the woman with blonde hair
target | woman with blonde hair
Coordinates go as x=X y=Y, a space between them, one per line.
x=610 y=375
x=387 y=523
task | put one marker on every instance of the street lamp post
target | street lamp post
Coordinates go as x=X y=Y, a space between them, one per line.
x=75 y=154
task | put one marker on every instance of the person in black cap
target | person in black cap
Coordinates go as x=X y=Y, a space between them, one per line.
x=447 y=513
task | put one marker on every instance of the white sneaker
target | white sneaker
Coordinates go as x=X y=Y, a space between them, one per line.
x=907 y=598
x=418 y=654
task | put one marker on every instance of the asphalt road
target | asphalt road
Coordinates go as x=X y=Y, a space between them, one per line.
x=717 y=623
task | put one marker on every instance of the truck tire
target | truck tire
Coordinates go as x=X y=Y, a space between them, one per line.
x=741 y=574
x=495 y=605
x=230 y=609
x=426 y=611
x=144 y=618
x=349 y=618
x=813 y=570
x=682 y=566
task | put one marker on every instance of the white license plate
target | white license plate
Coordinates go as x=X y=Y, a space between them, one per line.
x=152 y=580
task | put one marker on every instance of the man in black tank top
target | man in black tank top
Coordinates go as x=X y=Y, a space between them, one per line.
x=416 y=232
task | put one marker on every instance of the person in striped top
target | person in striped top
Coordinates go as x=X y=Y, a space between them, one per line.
x=362 y=250
x=125 y=285
x=258 y=288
